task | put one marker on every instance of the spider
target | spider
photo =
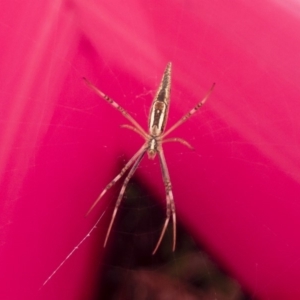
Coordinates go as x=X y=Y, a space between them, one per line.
x=153 y=145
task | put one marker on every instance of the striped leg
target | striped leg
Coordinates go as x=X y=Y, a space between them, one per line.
x=120 y=197
x=126 y=167
x=190 y=113
x=169 y=200
x=116 y=106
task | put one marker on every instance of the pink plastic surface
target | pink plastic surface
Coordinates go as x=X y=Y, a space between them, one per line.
x=60 y=144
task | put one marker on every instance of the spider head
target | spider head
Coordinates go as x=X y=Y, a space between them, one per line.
x=151 y=153
x=152 y=147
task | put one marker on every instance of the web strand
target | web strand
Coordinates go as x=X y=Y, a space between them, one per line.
x=74 y=249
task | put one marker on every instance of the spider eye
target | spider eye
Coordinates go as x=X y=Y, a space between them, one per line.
x=151 y=154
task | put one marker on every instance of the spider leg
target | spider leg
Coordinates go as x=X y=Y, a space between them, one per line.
x=169 y=200
x=190 y=113
x=142 y=134
x=181 y=141
x=125 y=168
x=116 y=106
x=120 y=197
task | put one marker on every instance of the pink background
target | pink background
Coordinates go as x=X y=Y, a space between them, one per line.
x=238 y=192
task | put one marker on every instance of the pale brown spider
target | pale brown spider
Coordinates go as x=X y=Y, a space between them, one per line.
x=153 y=145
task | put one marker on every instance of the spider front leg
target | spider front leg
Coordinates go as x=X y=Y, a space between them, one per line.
x=123 y=188
x=170 y=202
x=114 y=181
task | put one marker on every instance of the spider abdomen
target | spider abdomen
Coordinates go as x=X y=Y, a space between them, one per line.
x=157 y=118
